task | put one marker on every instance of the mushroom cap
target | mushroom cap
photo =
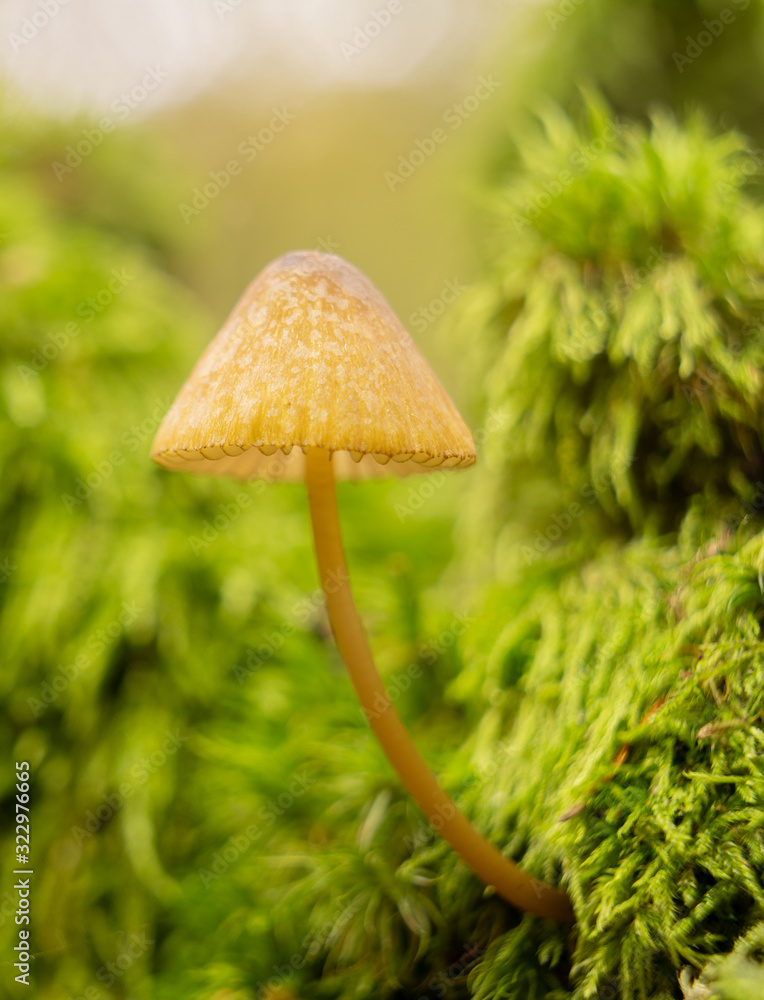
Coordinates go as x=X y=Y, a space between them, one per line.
x=312 y=356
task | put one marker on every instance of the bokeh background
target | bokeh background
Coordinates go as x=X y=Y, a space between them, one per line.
x=210 y=815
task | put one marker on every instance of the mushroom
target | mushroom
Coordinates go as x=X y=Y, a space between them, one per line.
x=313 y=377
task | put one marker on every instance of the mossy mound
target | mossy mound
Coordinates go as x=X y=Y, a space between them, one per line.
x=629 y=266
x=615 y=675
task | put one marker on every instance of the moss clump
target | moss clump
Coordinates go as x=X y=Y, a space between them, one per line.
x=615 y=675
x=200 y=766
x=629 y=265
x=269 y=850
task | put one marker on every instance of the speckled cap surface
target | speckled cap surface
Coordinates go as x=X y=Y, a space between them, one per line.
x=312 y=356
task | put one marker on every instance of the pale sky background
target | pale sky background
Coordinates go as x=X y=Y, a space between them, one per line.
x=365 y=81
x=80 y=55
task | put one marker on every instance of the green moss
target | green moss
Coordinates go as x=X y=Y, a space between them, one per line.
x=606 y=590
x=629 y=266
x=200 y=767
x=614 y=677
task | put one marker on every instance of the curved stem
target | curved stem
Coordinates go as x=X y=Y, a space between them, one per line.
x=510 y=881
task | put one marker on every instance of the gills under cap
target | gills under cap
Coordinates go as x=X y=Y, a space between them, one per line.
x=312 y=356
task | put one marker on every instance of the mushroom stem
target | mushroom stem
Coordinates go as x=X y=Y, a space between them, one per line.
x=511 y=882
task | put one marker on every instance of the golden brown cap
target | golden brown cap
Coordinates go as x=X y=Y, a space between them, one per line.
x=312 y=356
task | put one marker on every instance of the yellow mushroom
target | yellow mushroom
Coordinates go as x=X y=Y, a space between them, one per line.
x=313 y=377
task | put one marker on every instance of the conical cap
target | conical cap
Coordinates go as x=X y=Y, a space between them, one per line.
x=312 y=356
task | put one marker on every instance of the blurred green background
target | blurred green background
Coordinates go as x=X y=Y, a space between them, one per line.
x=210 y=815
